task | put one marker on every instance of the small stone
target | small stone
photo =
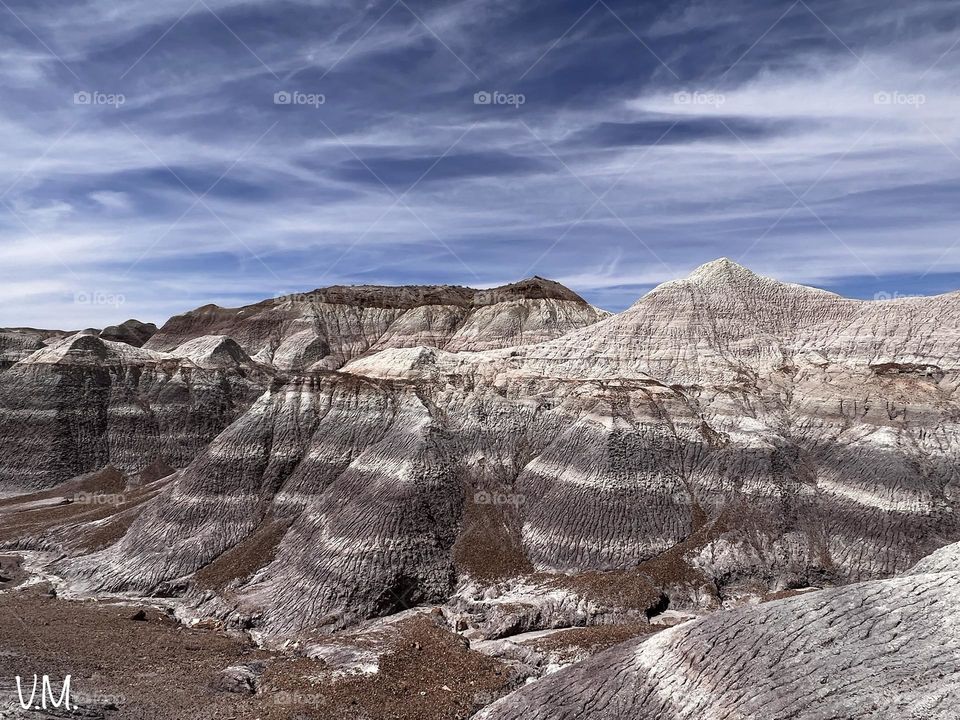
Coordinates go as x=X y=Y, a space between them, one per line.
x=239 y=679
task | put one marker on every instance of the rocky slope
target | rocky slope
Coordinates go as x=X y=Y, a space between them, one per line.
x=325 y=328
x=18 y=343
x=81 y=402
x=129 y=395
x=829 y=425
x=132 y=332
x=886 y=648
x=727 y=436
x=509 y=455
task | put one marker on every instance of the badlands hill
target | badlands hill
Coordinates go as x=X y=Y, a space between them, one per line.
x=131 y=395
x=521 y=460
x=325 y=328
x=18 y=343
x=880 y=649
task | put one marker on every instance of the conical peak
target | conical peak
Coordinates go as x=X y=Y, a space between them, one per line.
x=721 y=269
x=727 y=275
x=720 y=280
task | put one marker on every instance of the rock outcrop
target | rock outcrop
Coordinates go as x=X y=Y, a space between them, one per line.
x=886 y=648
x=528 y=464
x=725 y=437
x=213 y=351
x=130 y=395
x=132 y=332
x=325 y=328
x=19 y=343
x=81 y=402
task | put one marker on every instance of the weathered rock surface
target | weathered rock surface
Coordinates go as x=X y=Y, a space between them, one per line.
x=70 y=401
x=879 y=649
x=528 y=464
x=81 y=402
x=212 y=352
x=327 y=327
x=19 y=343
x=725 y=437
x=132 y=332
x=240 y=679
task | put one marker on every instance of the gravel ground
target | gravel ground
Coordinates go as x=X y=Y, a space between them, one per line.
x=138 y=663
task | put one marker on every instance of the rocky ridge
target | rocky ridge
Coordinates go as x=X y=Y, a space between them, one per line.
x=325 y=328
x=18 y=343
x=81 y=402
x=75 y=397
x=726 y=437
x=132 y=332
x=886 y=648
x=716 y=420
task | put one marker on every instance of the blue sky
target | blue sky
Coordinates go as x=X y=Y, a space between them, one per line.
x=150 y=166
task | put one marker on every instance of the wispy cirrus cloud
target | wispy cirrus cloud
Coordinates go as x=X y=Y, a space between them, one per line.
x=809 y=140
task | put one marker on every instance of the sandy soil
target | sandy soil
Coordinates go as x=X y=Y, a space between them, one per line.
x=138 y=663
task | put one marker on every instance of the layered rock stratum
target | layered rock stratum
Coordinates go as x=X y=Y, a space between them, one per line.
x=80 y=403
x=130 y=395
x=880 y=649
x=132 y=332
x=19 y=343
x=529 y=464
x=327 y=327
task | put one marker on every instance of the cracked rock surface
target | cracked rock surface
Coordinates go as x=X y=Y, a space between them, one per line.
x=81 y=402
x=727 y=436
x=529 y=464
x=880 y=649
